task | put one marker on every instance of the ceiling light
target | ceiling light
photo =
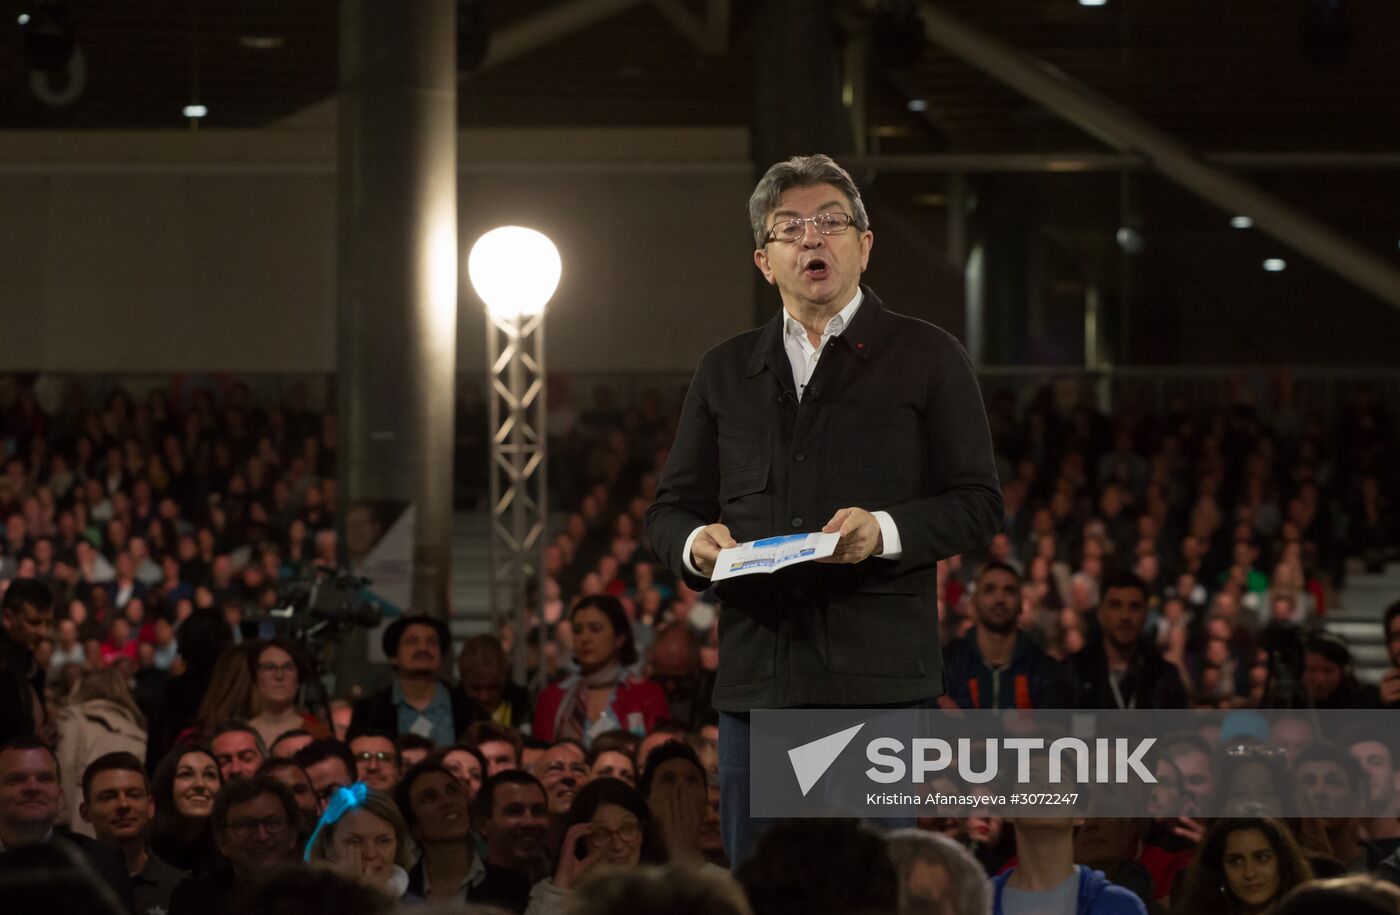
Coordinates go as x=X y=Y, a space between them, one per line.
x=195 y=111
x=1275 y=265
x=918 y=105
x=261 y=42
x=1093 y=2
x=24 y=19
x=1241 y=222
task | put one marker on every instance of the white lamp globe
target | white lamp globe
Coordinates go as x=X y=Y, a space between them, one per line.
x=515 y=270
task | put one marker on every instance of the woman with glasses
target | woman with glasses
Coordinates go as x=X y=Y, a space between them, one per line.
x=363 y=835
x=609 y=825
x=184 y=786
x=605 y=695
x=277 y=668
x=1245 y=865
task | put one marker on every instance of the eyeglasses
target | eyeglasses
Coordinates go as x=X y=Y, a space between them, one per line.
x=602 y=836
x=378 y=756
x=286 y=670
x=247 y=828
x=825 y=223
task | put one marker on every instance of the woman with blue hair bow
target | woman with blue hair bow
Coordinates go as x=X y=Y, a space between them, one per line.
x=362 y=834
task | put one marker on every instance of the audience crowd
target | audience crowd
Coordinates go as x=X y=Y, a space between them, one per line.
x=161 y=750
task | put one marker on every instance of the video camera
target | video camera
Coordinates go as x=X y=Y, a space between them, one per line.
x=324 y=604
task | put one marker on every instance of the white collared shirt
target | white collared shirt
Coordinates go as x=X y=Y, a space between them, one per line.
x=804 y=358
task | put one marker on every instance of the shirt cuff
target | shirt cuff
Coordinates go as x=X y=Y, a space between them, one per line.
x=690 y=541
x=889 y=535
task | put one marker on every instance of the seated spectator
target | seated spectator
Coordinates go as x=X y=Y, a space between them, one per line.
x=185 y=784
x=118 y=806
x=485 y=673
x=1119 y=667
x=1245 y=864
x=238 y=748
x=254 y=824
x=287 y=745
x=608 y=825
x=436 y=810
x=603 y=696
x=413 y=748
x=363 y=835
x=499 y=744
x=417 y=700
x=101 y=717
x=610 y=763
x=674 y=662
x=820 y=867
x=562 y=771
x=299 y=783
x=29 y=802
x=377 y=762
x=995 y=666
x=329 y=765
x=674 y=785
x=670 y=889
x=665 y=731
x=278 y=668
x=512 y=815
x=466 y=763
x=936 y=875
x=1328 y=676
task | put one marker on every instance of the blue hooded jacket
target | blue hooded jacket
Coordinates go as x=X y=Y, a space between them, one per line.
x=1097 y=896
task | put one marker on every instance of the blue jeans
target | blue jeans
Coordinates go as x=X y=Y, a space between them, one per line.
x=741 y=831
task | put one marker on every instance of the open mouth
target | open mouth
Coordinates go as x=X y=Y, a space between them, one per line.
x=816 y=269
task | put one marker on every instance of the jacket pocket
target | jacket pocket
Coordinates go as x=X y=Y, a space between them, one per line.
x=874 y=454
x=879 y=635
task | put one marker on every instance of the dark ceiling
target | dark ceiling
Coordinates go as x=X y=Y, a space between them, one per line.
x=1251 y=76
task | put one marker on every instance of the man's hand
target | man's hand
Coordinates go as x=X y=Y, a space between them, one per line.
x=705 y=550
x=860 y=535
x=1390 y=686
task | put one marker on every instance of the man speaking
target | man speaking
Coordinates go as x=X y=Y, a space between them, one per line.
x=837 y=415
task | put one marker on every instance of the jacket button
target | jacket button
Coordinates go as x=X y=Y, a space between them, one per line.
x=799 y=456
x=797 y=522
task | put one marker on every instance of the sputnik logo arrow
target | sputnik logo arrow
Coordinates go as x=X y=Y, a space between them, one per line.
x=811 y=760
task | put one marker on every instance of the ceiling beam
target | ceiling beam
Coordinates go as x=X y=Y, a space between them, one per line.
x=1074 y=162
x=1124 y=131
x=546 y=27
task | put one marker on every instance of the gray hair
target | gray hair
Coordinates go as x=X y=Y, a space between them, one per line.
x=968 y=888
x=801 y=171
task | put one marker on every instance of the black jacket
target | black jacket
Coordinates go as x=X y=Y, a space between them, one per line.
x=1151 y=682
x=1031 y=680
x=376 y=713
x=19 y=681
x=504 y=887
x=892 y=419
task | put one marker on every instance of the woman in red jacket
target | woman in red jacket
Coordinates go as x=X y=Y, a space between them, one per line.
x=603 y=696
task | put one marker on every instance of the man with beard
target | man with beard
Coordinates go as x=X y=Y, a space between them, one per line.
x=418 y=700
x=117 y=802
x=996 y=666
x=512 y=815
x=1118 y=667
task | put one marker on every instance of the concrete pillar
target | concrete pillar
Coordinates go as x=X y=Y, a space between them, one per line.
x=398 y=258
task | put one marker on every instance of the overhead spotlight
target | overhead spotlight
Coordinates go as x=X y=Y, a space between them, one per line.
x=1093 y=2
x=1131 y=240
x=1275 y=265
x=195 y=111
x=1241 y=222
x=261 y=42
x=23 y=19
x=917 y=105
